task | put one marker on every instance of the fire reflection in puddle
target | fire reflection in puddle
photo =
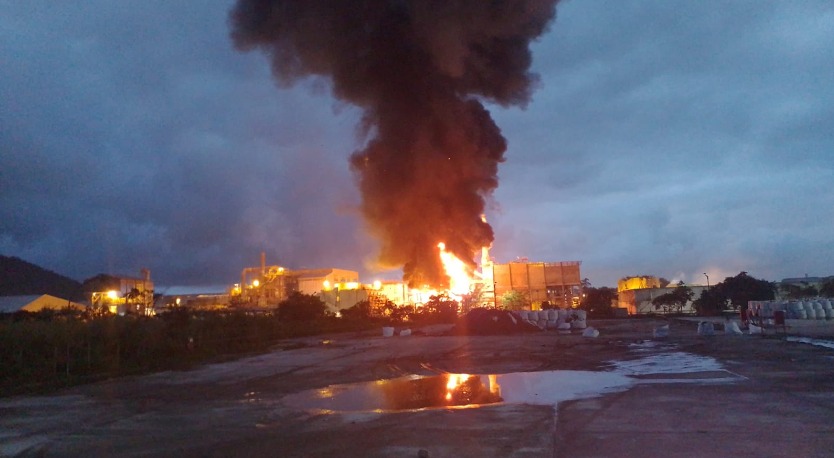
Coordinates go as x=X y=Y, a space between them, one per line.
x=459 y=391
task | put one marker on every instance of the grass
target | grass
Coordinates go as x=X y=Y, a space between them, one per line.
x=47 y=351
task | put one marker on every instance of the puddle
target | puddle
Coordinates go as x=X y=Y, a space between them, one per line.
x=675 y=367
x=644 y=346
x=810 y=341
x=416 y=392
x=668 y=363
x=459 y=391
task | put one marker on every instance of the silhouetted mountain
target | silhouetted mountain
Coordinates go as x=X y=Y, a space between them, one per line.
x=19 y=278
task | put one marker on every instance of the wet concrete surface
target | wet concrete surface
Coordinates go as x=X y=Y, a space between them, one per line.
x=687 y=396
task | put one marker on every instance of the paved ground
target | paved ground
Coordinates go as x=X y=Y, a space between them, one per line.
x=685 y=396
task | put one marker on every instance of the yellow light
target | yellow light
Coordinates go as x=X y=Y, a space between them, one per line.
x=256 y=283
x=178 y=301
x=460 y=278
x=327 y=284
x=112 y=294
x=280 y=269
x=377 y=284
x=454 y=381
x=352 y=285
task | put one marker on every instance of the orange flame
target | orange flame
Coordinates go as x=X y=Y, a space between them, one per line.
x=460 y=277
x=455 y=380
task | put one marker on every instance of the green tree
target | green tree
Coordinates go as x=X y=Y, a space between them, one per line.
x=359 y=311
x=597 y=301
x=743 y=288
x=402 y=313
x=301 y=307
x=441 y=308
x=711 y=302
x=798 y=292
x=138 y=302
x=513 y=300
x=675 y=299
x=471 y=300
x=734 y=292
x=827 y=288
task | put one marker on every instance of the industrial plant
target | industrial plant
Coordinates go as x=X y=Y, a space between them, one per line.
x=264 y=286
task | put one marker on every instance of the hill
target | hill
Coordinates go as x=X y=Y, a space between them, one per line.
x=18 y=278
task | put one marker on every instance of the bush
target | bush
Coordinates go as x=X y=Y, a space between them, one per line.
x=301 y=307
x=43 y=351
x=360 y=311
x=439 y=309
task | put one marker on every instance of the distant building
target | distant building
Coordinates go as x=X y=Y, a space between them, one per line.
x=313 y=281
x=126 y=295
x=394 y=291
x=559 y=283
x=36 y=303
x=804 y=281
x=267 y=286
x=794 y=288
x=210 y=301
x=639 y=301
x=337 y=299
x=638 y=282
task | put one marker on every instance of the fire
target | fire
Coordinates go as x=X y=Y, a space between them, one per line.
x=455 y=380
x=460 y=278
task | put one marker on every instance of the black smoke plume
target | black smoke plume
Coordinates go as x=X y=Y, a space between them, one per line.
x=420 y=70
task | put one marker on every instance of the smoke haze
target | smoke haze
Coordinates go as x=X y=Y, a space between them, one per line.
x=420 y=70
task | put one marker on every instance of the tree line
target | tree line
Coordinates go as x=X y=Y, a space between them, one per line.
x=49 y=349
x=733 y=293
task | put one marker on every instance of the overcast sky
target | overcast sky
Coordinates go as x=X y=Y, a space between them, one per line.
x=666 y=137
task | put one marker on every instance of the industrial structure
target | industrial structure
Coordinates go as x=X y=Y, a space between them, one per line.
x=126 y=295
x=635 y=294
x=36 y=303
x=638 y=282
x=265 y=286
x=557 y=283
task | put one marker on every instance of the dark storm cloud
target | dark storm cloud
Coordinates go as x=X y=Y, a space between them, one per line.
x=125 y=146
x=681 y=137
x=666 y=137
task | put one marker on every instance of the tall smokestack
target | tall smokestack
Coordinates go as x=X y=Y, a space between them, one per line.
x=421 y=70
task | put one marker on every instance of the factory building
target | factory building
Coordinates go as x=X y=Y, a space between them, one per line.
x=267 y=286
x=639 y=301
x=379 y=293
x=313 y=281
x=635 y=294
x=122 y=295
x=638 y=282
x=558 y=283
x=36 y=303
